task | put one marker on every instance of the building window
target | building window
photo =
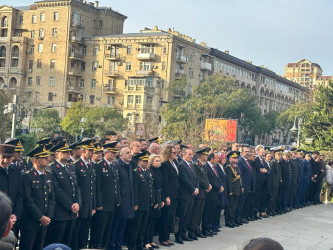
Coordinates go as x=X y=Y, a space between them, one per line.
x=52 y=63
x=190 y=73
x=93 y=83
x=41 y=33
x=164 y=49
x=34 y=19
x=29 y=81
x=149 y=100
x=31 y=63
x=55 y=16
x=100 y=24
x=42 y=17
x=38 y=80
x=39 y=63
x=111 y=100
x=32 y=34
x=129 y=116
x=163 y=66
x=32 y=49
x=70 y=81
x=40 y=48
x=94 y=66
x=83 y=66
x=130 y=99
x=95 y=50
x=21 y=20
x=128 y=66
x=54 y=32
x=36 y=96
x=84 y=50
x=129 y=49
x=138 y=99
x=162 y=84
x=53 y=47
x=91 y=99
x=50 y=97
x=192 y=55
x=82 y=83
x=51 y=80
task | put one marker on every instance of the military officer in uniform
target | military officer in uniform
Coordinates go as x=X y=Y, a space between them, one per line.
x=67 y=196
x=38 y=201
x=18 y=161
x=107 y=196
x=294 y=173
x=85 y=175
x=276 y=180
x=300 y=157
x=143 y=199
x=234 y=185
x=76 y=152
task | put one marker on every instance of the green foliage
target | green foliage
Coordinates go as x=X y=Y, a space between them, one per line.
x=5 y=120
x=71 y=122
x=46 y=123
x=29 y=142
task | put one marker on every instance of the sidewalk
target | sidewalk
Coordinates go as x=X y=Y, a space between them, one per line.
x=305 y=228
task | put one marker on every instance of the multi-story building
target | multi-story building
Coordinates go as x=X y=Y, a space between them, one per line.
x=67 y=50
x=303 y=72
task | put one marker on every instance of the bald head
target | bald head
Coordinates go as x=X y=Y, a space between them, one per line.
x=154 y=148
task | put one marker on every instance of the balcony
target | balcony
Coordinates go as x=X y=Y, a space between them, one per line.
x=68 y=104
x=17 y=71
x=112 y=57
x=206 y=66
x=113 y=73
x=145 y=72
x=77 y=22
x=110 y=90
x=15 y=55
x=76 y=39
x=135 y=88
x=74 y=72
x=146 y=56
x=111 y=106
x=76 y=56
x=182 y=59
x=74 y=89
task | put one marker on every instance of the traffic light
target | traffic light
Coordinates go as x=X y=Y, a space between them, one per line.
x=8 y=108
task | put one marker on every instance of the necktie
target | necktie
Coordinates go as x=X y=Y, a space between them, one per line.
x=6 y=171
x=191 y=167
x=214 y=170
x=248 y=164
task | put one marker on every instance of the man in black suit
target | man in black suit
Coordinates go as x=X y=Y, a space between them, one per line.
x=188 y=188
x=276 y=179
x=85 y=175
x=199 y=200
x=107 y=196
x=286 y=178
x=212 y=195
x=294 y=171
x=245 y=168
x=38 y=201
x=11 y=181
x=67 y=196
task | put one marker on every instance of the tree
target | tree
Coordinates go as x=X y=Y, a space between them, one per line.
x=5 y=119
x=71 y=122
x=46 y=123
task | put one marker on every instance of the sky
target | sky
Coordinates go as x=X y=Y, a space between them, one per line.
x=270 y=33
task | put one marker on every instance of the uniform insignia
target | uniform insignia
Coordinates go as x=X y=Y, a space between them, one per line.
x=48 y=181
x=58 y=166
x=103 y=170
x=33 y=181
x=82 y=164
x=60 y=172
x=35 y=174
x=104 y=164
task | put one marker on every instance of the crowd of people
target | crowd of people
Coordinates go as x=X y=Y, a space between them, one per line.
x=102 y=193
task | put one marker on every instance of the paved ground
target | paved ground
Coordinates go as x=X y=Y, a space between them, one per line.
x=306 y=228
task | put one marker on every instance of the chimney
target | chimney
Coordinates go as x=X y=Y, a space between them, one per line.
x=96 y=4
x=227 y=52
x=155 y=28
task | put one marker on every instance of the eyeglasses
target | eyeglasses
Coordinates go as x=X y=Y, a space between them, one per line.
x=173 y=152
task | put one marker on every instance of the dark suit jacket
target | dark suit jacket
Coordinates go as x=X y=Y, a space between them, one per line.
x=11 y=185
x=215 y=181
x=143 y=189
x=294 y=170
x=170 y=180
x=260 y=177
x=223 y=197
x=286 y=179
x=107 y=186
x=201 y=172
x=300 y=171
x=306 y=172
x=246 y=174
x=67 y=191
x=276 y=173
x=188 y=181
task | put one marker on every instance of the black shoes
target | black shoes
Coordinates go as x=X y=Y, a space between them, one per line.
x=229 y=225
x=200 y=235
x=185 y=238
x=192 y=237
x=244 y=221
x=179 y=239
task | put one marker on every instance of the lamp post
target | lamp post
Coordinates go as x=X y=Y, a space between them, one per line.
x=11 y=108
x=297 y=129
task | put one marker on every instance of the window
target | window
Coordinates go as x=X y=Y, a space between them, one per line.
x=190 y=72
x=31 y=63
x=146 y=66
x=54 y=32
x=51 y=80
x=50 y=97
x=42 y=17
x=128 y=66
x=91 y=99
x=81 y=83
x=21 y=20
x=163 y=66
x=32 y=34
x=94 y=66
x=95 y=50
x=52 y=63
x=164 y=49
x=130 y=99
x=36 y=96
x=29 y=81
x=149 y=100
x=162 y=84
x=32 y=49
x=38 y=80
x=111 y=100
x=129 y=49
x=53 y=47
x=39 y=63
x=40 y=48
x=83 y=66
x=34 y=19
x=55 y=16
x=138 y=99
x=84 y=50
x=192 y=55
x=41 y=33
x=100 y=24
x=93 y=83
x=70 y=81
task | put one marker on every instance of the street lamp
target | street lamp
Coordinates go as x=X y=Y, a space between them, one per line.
x=297 y=129
x=83 y=120
x=11 y=108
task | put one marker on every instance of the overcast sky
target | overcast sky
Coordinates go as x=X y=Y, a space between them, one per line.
x=270 y=33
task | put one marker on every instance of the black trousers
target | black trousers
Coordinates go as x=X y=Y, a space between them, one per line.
x=60 y=232
x=217 y=217
x=292 y=195
x=101 y=223
x=240 y=212
x=33 y=239
x=168 y=214
x=197 y=214
x=249 y=204
x=136 y=230
x=117 y=233
x=273 y=201
x=81 y=233
x=208 y=215
x=260 y=188
x=232 y=207
x=184 y=212
x=149 y=235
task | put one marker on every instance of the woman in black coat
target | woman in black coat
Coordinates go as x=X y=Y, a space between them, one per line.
x=170 y=185
x=158 y=197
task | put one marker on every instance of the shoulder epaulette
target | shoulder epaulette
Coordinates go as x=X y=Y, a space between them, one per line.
x=100 y=162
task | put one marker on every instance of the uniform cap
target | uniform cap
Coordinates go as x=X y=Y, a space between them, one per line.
x=111 y=146
x=39 y=151
x=143 y=156
x=87 y=143
x=61 y=147
x=7 y=150
x=233 y=154
x=17 y=143
x=259 y=147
